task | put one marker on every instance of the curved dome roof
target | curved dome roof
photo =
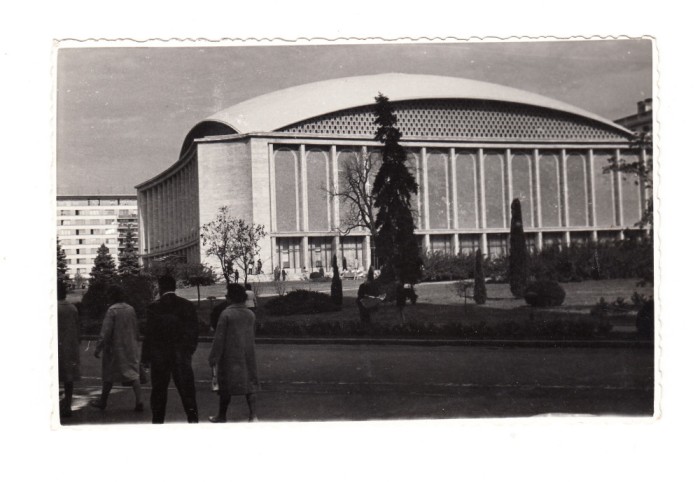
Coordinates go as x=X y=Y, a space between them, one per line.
x=282 y=108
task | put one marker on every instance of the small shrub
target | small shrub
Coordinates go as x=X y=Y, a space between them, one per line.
x=317 y=276
x=544 y=293
x=301 y=302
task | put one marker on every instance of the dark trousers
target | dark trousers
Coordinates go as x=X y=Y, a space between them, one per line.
x=177 y=364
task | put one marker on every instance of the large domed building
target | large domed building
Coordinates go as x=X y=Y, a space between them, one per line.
x=473 y=146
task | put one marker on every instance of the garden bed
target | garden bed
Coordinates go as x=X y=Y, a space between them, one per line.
x=441 y=314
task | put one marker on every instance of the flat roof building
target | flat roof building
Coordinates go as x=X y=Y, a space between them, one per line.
x=86 y=222
x=473 y=147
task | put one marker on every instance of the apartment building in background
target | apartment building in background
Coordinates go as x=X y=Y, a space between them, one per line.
x=83 y=223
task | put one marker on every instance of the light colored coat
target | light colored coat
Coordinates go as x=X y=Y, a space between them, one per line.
x=119 y=339
x=233 y=351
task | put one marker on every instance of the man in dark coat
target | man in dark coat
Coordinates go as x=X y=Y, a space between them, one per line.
x=170 y=340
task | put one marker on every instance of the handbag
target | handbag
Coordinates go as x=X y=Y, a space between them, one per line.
x=214 y=380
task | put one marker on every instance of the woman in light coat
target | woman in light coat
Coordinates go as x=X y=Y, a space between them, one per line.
x=233 y=354
x=119 y=342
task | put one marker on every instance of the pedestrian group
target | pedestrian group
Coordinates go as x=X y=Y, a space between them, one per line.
x=170 y=340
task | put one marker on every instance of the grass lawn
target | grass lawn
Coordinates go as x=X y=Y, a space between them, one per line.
x=438 y=304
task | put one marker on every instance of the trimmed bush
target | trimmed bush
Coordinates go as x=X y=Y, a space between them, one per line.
x=301 y=302
x=316 y=276
x=544 y=293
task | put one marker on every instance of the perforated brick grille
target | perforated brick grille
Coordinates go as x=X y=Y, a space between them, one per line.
x=462 y=119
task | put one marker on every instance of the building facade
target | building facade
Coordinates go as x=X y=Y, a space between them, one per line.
x=642 y=121
x=86 y=222
x=473 y=147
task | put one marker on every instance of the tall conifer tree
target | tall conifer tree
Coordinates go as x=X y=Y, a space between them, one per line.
x=128 y=258
x=392 y=190
x=104 y=269
x=518 y=269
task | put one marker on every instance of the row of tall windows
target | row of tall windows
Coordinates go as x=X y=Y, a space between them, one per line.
x=572 y=191
x=320 y=251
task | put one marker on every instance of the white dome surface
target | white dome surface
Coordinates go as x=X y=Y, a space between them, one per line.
x=282 y=108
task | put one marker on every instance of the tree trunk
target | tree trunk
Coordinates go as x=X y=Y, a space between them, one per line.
x=198 y=297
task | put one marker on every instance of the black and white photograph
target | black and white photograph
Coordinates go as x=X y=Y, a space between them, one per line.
x=354 y=231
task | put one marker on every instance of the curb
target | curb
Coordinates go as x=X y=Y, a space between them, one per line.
x=640 y=344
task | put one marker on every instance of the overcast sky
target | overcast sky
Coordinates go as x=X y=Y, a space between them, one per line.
x=122 y=113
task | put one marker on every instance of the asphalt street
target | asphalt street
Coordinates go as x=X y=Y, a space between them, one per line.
x=388 y=382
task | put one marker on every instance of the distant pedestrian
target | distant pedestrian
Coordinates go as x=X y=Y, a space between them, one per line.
x=260 y=270
x=169 y=343
x=68 y=348
x=233 y=354
x=284 y=274
x=250 y=267
x=368 y=298
x=251 y=301
x=235 y=276
x=276 y=275
x=118 y=346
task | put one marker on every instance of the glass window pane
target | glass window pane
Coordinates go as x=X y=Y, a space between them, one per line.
x=604 y=202
x=466 y=189
x=286 y=190
x=494 y=192
x=522 y=186
x=413 y=165
x=576 y=193
x=631 y=202
x=438 y=194
x=549 y=189
x=317 y=172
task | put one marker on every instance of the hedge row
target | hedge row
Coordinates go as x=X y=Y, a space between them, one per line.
x=611 y=260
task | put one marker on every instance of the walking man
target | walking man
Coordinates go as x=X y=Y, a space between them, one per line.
x=170 y=340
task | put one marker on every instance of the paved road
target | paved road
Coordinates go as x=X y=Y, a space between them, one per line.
x=362 y=382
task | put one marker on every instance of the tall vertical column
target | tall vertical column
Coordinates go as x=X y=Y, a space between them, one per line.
x=538 y=194
x=336 y=202
x=366 y=252
x=273 y=187
x=644 y=193
x=141 y=205
x=564 y=180
x=509 y=183
x=618 y=192
x=304 y=190
x=482 y=191
x=305 y=254
x=453 y=185
x=273 y=254
x=297 y=177
x=424 y=175
x=455 y=243
x=426 y=242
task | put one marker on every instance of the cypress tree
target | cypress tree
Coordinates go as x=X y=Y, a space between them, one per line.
x=479 y=281
x=518 y=269
x=128 y=258
x=393 y=186
x=336 y=284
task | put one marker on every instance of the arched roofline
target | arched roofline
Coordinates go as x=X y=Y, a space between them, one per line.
x=282 y=108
